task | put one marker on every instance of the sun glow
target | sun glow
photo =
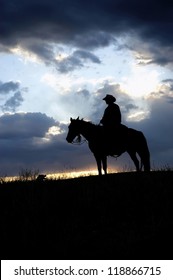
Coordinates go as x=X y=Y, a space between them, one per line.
x=138 y=116
x=77 y=174
x=61 y=175
x=61 y=57
x=54 y=130
x=25 y=55
x=62 y=85
x=72 y=174
x=140 y=82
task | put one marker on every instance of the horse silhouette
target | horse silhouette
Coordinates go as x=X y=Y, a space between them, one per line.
x=133 y=142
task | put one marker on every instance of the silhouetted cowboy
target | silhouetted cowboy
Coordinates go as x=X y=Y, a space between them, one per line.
x=112 y=114
x=111 y=121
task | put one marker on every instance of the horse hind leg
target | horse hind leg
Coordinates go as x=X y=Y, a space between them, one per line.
x=99 y=166
x=145 y=160
x=146 y=163
x=134 y=159
x=144 y=153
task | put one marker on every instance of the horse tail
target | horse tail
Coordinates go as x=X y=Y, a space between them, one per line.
x=143 y=152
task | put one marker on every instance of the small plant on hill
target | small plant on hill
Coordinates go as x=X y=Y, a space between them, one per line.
x=166 y=167
x=28 y=174
x=3 y=179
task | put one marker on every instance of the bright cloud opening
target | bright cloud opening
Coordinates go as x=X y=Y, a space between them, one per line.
x=141 y=81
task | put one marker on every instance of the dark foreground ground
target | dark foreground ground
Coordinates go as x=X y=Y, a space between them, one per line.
x=123 y=216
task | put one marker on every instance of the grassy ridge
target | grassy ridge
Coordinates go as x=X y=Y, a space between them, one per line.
x=121 y=216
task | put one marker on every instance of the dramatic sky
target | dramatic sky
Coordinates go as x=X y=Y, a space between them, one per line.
x=58 y=59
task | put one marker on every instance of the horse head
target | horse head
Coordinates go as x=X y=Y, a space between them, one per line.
x=74 y=130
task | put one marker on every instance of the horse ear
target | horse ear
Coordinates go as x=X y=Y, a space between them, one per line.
x=77 y=119
x=71 y=119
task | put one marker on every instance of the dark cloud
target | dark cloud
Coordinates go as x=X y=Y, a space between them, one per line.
x=167 y=81
x=42 y=49
x=85 y=93
x=24 y=125
x=130 y=106
x=87 y=24
x=86 y=56
x=94 y=39
x=52 y=56
x=158 y=127
x=8 y=87
x=155 y=54
x=26 y=143
x=15 y=100
x=75 y=60
x=169 y=99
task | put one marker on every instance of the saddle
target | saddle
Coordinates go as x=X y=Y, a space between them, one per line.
x=115 y=139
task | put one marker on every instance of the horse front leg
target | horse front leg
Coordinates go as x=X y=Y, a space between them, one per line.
x=99 y=166
x=104 y=161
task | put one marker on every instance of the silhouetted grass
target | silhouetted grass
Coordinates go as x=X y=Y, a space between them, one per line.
x=121 y=216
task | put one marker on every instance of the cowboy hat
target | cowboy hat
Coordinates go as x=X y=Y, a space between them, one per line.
x=110 y=98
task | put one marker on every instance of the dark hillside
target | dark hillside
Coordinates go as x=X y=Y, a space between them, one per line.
x=122 y=216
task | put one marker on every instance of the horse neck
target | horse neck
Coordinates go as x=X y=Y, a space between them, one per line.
x=87 y=130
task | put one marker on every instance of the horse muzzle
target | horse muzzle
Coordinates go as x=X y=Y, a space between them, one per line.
x=68 y=140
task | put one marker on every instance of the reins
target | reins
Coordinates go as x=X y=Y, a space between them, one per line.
x=78 y=141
